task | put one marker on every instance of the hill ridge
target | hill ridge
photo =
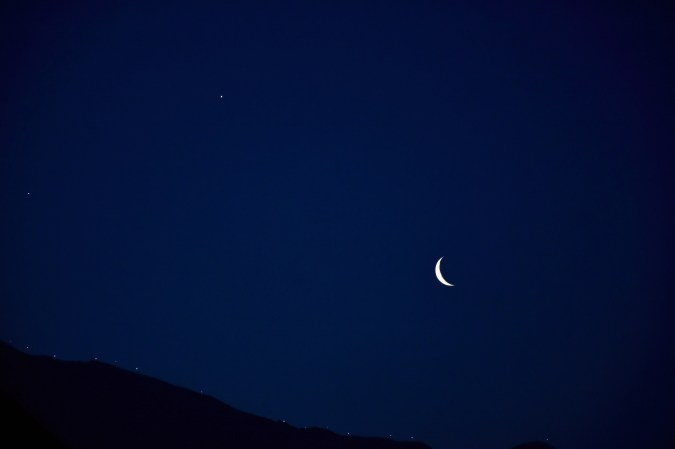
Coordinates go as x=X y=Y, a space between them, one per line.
x=93 y=404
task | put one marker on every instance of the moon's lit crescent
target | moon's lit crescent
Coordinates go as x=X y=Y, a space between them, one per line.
x=440 y=276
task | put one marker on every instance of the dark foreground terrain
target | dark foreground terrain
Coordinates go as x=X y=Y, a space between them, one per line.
x=50 y=403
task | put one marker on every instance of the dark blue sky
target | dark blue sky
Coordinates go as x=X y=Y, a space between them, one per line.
x=275 y=247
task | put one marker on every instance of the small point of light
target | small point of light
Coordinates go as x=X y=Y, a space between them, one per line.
x=221 y=96
x=54 y=356
x=136 y=369
x=29 y=193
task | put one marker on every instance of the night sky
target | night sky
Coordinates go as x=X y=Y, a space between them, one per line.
x=248 y=199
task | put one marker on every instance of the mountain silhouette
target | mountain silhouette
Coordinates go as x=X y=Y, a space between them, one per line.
x=86 y=405
x=534 y=445
x=54 y=404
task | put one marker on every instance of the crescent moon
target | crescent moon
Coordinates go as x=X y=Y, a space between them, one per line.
x=440 y=276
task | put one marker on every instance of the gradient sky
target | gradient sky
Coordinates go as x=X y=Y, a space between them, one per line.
x=249 y=199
